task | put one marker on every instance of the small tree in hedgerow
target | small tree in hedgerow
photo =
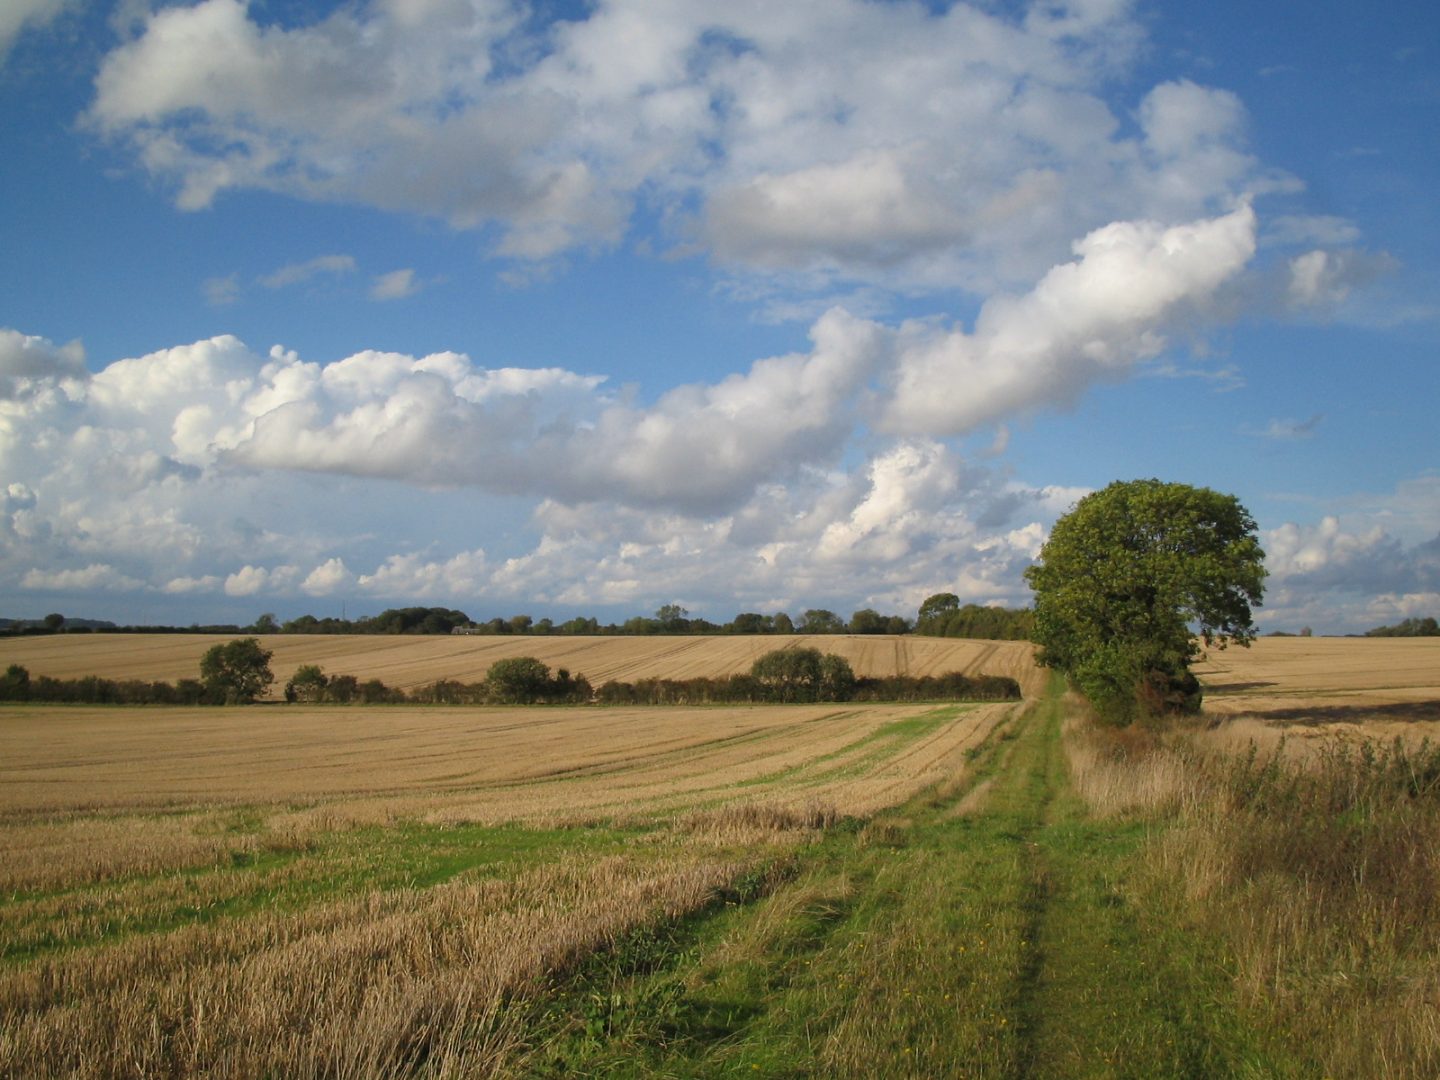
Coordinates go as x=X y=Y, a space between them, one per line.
x=1129 y=583
x=788 y=674
x=804 y=675
x=517 y=680
x=837 y=678
x=237 y=672
x=308 y=684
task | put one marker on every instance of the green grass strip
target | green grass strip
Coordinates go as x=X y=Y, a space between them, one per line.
x=998 y=942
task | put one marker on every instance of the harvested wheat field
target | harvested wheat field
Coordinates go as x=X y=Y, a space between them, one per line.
x=345 y=765
x=335 y=891
x=407 y=662
x=1377 y=688
x=817 y=889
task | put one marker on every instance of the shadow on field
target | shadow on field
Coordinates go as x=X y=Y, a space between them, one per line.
x=1320 y=715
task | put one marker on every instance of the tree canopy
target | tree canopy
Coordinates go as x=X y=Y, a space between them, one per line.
x=821 y=621
x=1416 y=627
x=1129 y=583
x=942 y=616
x=517 y=680
x=238 y=671
x=308 y=683
x=804 y=675
x=938 y=606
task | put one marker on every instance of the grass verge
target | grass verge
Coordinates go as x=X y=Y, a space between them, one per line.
x=1317 y=874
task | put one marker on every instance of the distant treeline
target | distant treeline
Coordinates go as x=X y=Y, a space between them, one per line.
x=53 y=623
x=940 y=616
x=1426 y=627
x=670 y=619
x=18 y=685
x=943 y=616
x=786 y=675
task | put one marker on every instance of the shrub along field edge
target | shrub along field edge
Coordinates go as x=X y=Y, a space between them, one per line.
x=783 y=676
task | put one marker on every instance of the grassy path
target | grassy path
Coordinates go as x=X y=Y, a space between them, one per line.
x=985 y=934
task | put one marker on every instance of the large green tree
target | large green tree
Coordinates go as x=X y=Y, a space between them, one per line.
x=821 y=621
x=237 y=672
x=868 y=621
x=1132 y=580
x=935 y=610
x=15 y=684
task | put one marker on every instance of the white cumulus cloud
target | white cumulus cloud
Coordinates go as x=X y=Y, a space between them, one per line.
x=1085 y=321
x=183 y=586
x=208 y=462
x=465 y=574
x=1355 y=570
x=781 y=142
x=327 y=578
x=27 y=362
x=247 y=581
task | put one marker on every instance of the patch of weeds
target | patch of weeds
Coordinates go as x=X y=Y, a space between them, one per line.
x=885 y=833
x=242 y=821
x=755 y=883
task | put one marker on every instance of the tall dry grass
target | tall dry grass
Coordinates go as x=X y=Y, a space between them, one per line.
x=1319 y=870
x=1129 y=771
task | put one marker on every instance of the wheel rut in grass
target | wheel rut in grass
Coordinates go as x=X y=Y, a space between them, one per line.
x=1033 y=782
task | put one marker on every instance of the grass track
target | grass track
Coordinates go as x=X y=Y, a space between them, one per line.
x=958 y=936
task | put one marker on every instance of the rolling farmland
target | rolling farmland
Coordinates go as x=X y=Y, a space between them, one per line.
x=849 y=890
x=303 y=889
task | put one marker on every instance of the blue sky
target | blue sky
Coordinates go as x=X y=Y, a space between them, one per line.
x=572 y=309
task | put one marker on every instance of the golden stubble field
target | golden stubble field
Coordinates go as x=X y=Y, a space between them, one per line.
x=101 y=791
x=320 y=767
x=342 y=891
x=1377 y=688
x=406 y=662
